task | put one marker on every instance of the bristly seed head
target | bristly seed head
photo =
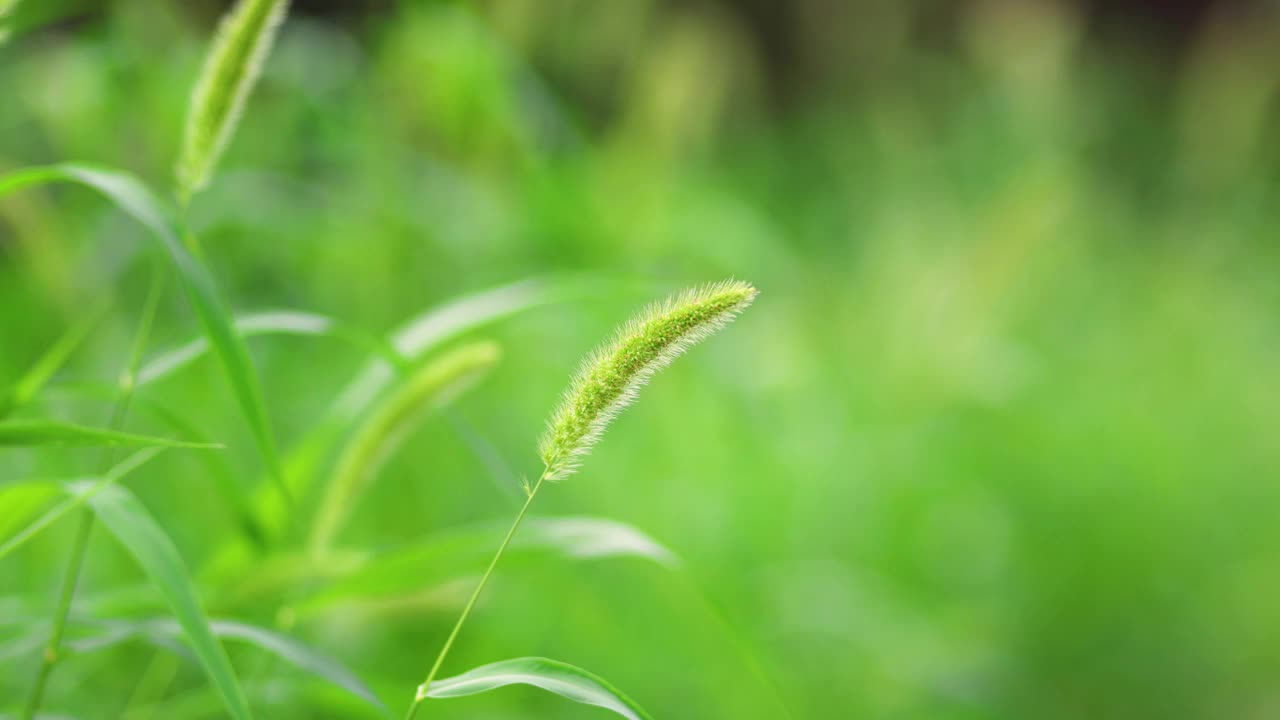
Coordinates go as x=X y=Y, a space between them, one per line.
x=609 y=378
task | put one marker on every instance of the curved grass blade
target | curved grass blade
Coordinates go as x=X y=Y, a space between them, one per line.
x=94 y=486
x=34 y=380
x=274 y=322
x=296 y=654
x=591 y=538
x=563 y=679
x=216 y=465
x=29 y=433
x=131 y=524
x=438 y=325
x=164 y=631
x=434 y=385
x=446 y=557
x=131 y=196
x=413 y=341
x=230 y=70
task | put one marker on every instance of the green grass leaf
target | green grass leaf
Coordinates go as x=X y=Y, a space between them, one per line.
x=553 y=676
x=133 y=526
x=35 y=378
x=31 y=433
x=94 y=485
x=388 y=424
x=445 y=557
x=436 y=326
x=217 y=465
x=413 y=341
x=131 y=196
x=166 y=631
x=230 y=70
x=298 y=655
x=589 y=538
x=275 y=322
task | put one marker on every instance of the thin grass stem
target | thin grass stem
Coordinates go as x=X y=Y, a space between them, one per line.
x=65 y=594
x=80 y=547
x=466 y=611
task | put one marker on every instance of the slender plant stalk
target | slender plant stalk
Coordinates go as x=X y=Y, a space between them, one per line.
x=466 y=611
x=606 y=383
x=85 y=528
x=69 y=581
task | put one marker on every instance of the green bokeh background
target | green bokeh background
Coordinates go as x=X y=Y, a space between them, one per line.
x=998 y=439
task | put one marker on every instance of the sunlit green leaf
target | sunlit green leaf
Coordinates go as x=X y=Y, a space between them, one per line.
x=553 y=676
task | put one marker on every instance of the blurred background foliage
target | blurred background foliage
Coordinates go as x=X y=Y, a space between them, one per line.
x=997 y=441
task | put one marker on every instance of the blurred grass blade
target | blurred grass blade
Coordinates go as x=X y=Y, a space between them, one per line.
x=34 y=380
x=30 y=433
x=275 y=322
x=217 y=465
x=413 y=341
x=26 y=644
x=291 y=651
x=432 y=386
x=456 y=554
x=438 y=325
x=592 y=537
x=230 y=70
x=113 y=475
x=553 y=676
x=134 y=527
x=298 y=655
x=134 y=198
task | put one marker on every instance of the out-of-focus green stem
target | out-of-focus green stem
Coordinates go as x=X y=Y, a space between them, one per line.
x=81 y=545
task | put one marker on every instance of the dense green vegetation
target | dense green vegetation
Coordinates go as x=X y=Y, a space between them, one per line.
x=994 y=442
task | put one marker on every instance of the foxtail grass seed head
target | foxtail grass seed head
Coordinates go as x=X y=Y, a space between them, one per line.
x=610 y=377
x=230 y=71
